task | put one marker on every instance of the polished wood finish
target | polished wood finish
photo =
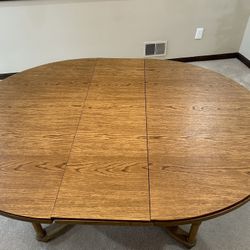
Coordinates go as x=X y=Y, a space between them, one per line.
x=122 y=140
x=106 y=177
x=237 y=55
x=39 y=113
x=199 y=141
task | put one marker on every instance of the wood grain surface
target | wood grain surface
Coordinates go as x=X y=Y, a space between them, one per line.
x=39 y=113
x=199 y=140
x=122 y=139
x=107 y=175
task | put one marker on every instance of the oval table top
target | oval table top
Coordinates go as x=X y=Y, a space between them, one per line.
x=124 y=140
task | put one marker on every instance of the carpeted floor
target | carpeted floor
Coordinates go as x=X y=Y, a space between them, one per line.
x=229 y=232
x=232 y=68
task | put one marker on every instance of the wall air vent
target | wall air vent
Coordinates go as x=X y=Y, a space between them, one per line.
x=155 y=48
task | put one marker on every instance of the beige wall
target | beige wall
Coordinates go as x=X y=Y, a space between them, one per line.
x=36 y=32
x=245 y=45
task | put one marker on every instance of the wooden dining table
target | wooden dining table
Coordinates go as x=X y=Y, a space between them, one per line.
x=122 y=141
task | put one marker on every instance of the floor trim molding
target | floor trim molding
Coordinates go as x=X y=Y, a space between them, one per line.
x=244 y=60
x=5 y=75
x=237 y=55
x=206 y=57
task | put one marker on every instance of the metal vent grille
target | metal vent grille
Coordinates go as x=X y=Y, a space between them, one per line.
x=160 y=48
x=155 y=48
x=150 y=49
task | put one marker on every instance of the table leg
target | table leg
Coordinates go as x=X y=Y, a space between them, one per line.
x=50 y=232
x=186 y=238
x=54 y=230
